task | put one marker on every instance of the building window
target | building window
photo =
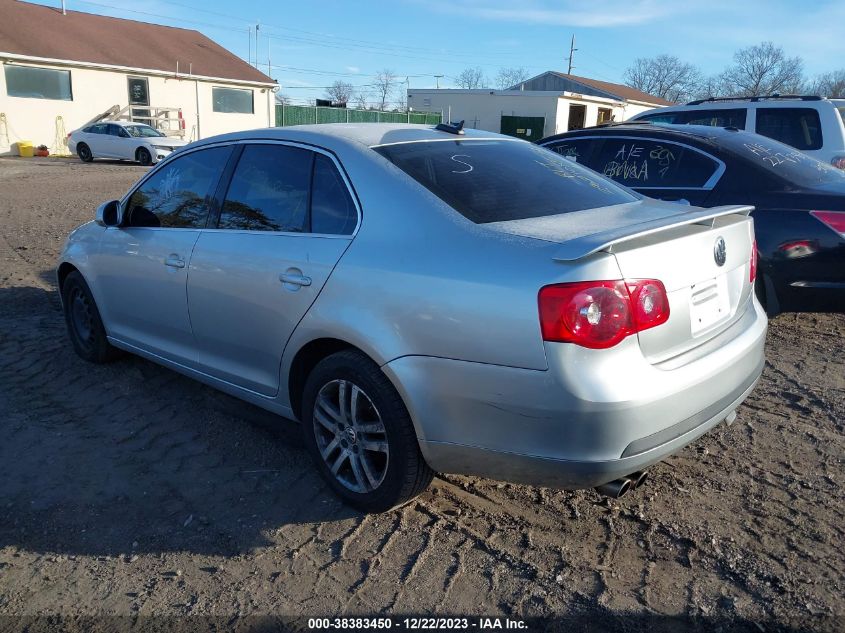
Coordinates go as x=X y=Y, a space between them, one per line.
x=38 y=83
x=232 y=100
x=605 y=116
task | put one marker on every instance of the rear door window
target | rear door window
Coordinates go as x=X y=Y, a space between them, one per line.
x=496 y=180
x=656 y=164
x=332 y=209
x=799 y=127
x=269 y=190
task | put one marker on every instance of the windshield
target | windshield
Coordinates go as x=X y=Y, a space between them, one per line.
x=783 y=161
x=142 y=131
x=500 y=180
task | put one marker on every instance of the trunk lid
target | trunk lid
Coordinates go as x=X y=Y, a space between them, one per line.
x=708 y=286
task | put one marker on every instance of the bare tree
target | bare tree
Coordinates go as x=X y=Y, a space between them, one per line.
x=664 y=76
x=282 y=99
x=711 y=86
x=471 y=78
x=829 y=85
x=761 y=70
x=384 y=81
x=340 y=92
x=361 y=98
x=402 y=101
x=510 y=77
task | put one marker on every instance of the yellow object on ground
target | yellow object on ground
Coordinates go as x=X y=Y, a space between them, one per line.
x=26 y=149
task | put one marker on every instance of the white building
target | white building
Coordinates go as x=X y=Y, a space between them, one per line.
x=61 y=70
x=546 y=104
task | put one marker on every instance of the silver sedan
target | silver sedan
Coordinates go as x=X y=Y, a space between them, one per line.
x=427 y=300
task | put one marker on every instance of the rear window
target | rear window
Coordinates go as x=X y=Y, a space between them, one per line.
x=798 y=127
x=495 y=181
x=720 y=117
x=783 y=161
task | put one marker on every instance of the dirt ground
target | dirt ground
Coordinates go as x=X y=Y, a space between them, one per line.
x=130 y=490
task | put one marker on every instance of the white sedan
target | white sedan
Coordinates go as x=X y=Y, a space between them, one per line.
x=122 y=140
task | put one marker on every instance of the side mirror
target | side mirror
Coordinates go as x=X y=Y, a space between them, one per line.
x=108 y=214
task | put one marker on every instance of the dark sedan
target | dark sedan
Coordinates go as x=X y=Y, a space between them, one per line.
x=800 y=202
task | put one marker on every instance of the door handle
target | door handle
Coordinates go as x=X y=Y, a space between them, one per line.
x=174 y=261
x=294 y=279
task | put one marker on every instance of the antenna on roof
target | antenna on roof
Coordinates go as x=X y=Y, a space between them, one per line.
x=452 y=128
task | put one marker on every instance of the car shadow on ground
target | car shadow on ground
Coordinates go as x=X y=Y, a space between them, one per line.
x=131 y=457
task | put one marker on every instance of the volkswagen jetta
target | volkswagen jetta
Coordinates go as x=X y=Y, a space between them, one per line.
x=425 y=300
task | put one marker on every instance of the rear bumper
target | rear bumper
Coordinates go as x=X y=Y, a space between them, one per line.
x=593 y=416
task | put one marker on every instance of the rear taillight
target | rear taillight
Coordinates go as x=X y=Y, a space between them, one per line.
x=838 y=162
x=752 y=267
x=833 y=219
x=599 y=314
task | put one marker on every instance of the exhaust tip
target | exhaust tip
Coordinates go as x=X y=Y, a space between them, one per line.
x=638 y=478
x=616 y=488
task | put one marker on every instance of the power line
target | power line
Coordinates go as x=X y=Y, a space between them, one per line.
x=165 y=17
x=334 y=42
x=339 y=39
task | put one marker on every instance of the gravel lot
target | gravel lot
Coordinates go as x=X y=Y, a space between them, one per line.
x=130 y=490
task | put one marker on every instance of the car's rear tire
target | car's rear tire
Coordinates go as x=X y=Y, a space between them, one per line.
x=360 y=434
x=144 y=157
x=84 y=153
x=85 y=327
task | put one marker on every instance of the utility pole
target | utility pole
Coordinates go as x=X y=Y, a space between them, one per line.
x=257 y=27
x=437 y=77
x=572 y=50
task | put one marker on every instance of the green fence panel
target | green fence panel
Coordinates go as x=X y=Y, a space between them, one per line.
x=363 y=116
x=331 y=115
x=306 y=115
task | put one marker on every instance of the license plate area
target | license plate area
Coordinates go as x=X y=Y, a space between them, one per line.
x=710 y=304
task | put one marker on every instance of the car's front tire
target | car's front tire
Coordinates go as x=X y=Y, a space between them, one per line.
x=85 y=327
x=84 y=153
x=360 y=434
x=144 y=157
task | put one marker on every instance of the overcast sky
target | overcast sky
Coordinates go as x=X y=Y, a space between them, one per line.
x=313 y=43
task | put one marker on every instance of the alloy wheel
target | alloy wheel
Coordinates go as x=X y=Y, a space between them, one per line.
x=351 y=436
x=81 y=316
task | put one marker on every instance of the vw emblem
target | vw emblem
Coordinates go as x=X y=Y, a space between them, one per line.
x=720 y=251
x=351 y=435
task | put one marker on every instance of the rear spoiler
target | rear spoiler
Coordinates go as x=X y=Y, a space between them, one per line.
x=587 y=245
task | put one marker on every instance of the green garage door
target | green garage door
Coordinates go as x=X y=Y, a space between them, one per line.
x=527 y=127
